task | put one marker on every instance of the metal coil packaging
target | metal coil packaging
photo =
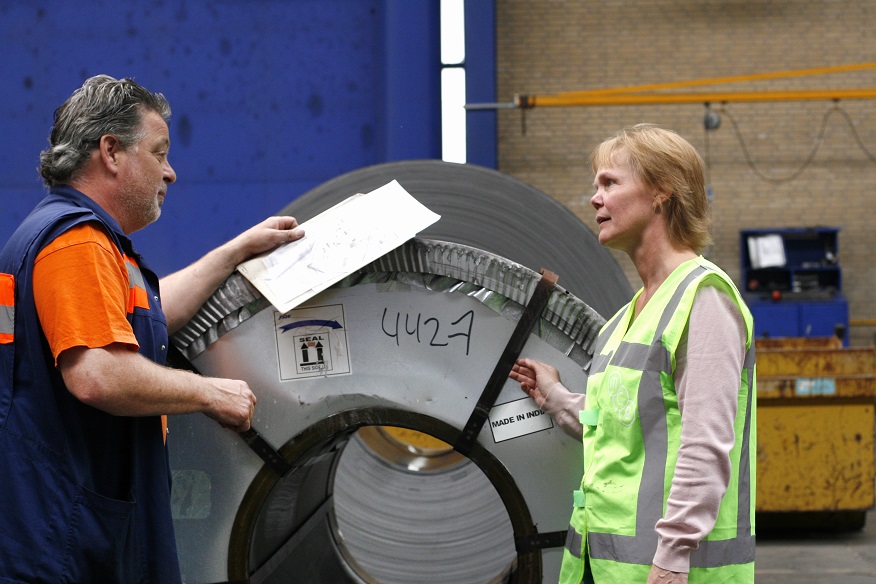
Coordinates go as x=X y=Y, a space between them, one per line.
x=489 y=210
x=364 y=390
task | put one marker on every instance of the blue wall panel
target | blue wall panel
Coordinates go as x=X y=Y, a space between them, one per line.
x=269 y=98
x=480 y=86
x=412 y=108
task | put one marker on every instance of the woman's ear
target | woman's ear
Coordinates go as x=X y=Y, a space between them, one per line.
x=660 y=198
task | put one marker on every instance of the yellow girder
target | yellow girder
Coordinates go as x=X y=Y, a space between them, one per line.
x=647 y=94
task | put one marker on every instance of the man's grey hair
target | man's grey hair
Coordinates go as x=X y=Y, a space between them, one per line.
x=103 y=105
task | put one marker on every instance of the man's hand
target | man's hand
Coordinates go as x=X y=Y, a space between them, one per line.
x=265 y=236
x=233 y=403
x=661 y=576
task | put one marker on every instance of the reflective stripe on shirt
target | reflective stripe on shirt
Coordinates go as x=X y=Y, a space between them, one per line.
x=7 y=308
x=137 y=286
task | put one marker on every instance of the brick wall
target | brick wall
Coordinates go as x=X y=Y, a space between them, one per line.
x=548 y=46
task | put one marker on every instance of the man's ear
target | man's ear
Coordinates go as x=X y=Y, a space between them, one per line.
x=110 y=148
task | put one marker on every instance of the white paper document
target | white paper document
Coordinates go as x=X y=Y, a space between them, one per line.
x=337 y=242
x=766 y=251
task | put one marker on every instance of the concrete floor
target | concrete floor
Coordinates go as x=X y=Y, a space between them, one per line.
x=818 y=558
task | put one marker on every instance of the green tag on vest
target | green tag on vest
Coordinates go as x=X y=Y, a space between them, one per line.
x=589 y=417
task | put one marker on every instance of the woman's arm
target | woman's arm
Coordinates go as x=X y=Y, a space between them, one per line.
x=542 y=383
x=707 y=377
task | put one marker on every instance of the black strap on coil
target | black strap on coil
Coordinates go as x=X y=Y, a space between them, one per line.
x=539 y=541
x=253 y=439
x=497 y=380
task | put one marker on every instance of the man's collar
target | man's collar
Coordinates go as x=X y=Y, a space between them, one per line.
x=84 y=200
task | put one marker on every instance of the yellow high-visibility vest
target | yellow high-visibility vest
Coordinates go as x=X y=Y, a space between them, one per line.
x=632 y=431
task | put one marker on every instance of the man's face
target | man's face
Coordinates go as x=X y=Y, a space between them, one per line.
x=146 y=174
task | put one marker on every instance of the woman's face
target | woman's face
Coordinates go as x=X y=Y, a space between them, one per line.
x=625 y=208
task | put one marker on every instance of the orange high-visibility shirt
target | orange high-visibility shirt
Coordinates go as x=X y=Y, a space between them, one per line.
x=82 y=292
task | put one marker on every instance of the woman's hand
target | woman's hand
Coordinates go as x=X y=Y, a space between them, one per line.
x=535 y=378
x=661 y=576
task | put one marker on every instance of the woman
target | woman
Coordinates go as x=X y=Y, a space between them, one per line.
x=668 y=421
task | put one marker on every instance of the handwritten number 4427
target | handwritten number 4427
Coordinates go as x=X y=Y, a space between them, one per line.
x=430 y=330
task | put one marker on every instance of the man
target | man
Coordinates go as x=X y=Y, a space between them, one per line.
x=83 y=338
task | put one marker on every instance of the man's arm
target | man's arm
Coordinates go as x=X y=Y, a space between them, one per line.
x=184 y=292
x=120 y=381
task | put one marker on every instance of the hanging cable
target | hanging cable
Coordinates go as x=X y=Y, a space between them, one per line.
x=816 y=145
x=855 y=135
x=711 y=121
x=707 y=156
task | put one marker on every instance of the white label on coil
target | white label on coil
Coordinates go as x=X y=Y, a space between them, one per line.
x=518 y=418
x=312 y=342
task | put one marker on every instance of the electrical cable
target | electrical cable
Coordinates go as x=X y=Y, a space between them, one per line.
x=808 y=161
x=855 y=134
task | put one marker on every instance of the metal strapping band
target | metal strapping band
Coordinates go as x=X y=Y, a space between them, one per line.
x=539 y=541
x=497 y=379
x=265 y=451
x=253 y=439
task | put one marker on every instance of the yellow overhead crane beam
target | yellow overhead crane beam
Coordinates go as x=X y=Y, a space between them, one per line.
x=558 y=100
x=647 y=94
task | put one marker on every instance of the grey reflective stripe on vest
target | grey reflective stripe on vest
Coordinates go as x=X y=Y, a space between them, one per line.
x=640 y=549
x=7 y=320
x=600 y=361
x=573 y=542
x=743 y=518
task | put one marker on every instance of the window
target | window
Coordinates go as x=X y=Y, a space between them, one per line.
x=453 y=134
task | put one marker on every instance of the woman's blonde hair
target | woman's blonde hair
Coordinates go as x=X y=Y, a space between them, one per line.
x=666 y=163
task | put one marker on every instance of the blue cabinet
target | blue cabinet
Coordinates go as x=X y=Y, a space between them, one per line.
x=792 y=282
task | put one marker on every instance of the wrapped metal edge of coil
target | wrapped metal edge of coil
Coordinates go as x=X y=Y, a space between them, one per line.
x=567 y=324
